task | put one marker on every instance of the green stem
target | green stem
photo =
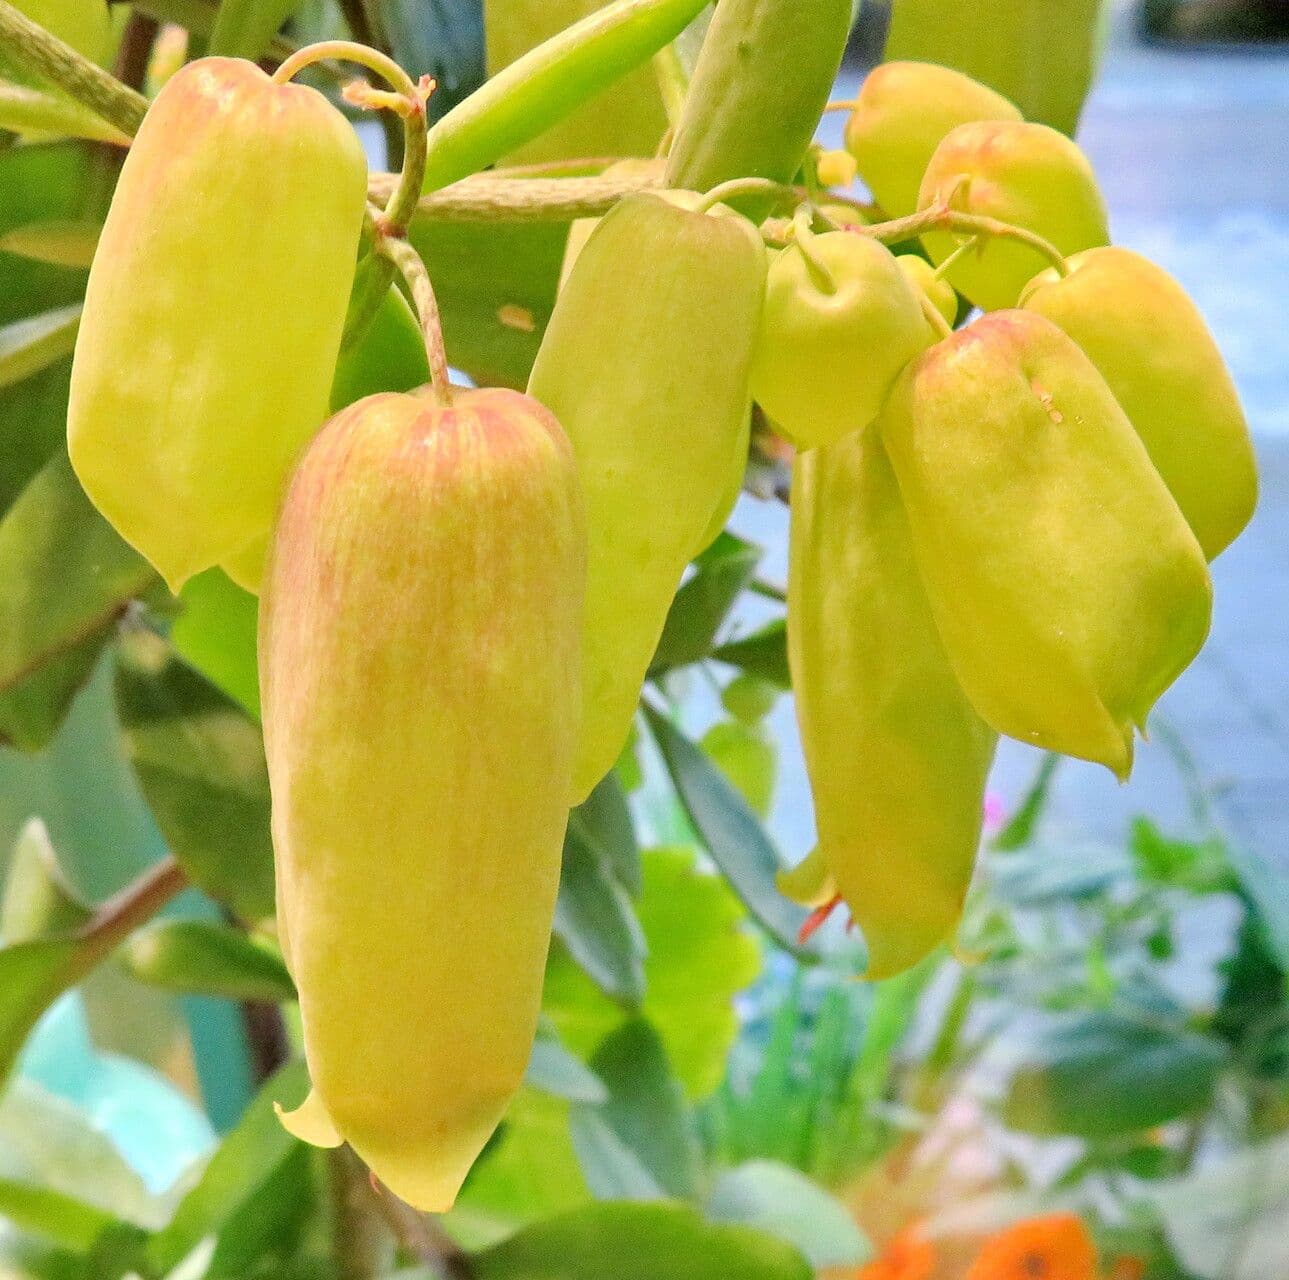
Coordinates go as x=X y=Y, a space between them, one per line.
x=961 y=251
x=75 y=74
x=541 y=88
x=939 y=217
x=933 y=316
x=409 y=264
x=408 y=100
x=803 y=236
x=735 y=187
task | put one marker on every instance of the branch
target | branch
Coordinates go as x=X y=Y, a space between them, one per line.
x=135 y=905
x=59 y=63
x=485 y=198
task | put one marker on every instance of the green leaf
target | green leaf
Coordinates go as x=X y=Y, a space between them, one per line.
x=64 y=573
x=390 y=354
x=786 y=1204
x=63 y=1219
x=548 y=83
x=692 y=925
x=1266 y=889
x=199 y=759
x=530 y=1171
x=200 y=957
x=245 y=28
x=637 y=1242
x=1040 y=55
x=31 y=713
x=729 y=830
x=603 y=820
x=63 y=242
x=33 y=975
x=704 y=601
x=556 y=1071
x=612 y=1169
x=646 y=1108
x=37 y=899
x=1102 y=1074
x=27 y=346
x=216 y=633
x=746 y=756
x=595 y=920
x=763 y=653
x=241 y=1171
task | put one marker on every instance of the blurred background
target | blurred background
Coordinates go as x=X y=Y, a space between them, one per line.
x=1104 y=1057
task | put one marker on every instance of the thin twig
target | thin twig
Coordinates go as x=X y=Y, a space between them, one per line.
x=135 y=905
x=409 y=264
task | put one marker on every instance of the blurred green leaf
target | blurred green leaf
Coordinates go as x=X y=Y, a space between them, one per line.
x=35 y=342
x=237 y=1186
x=28 y=110
x=664 y=1242
x=1102 y=1074
x=646 y=1108
x=784 y=1203
x=37 y=899
x=199 y=759
x=603 y=820
x=32 y=712
x=63 y=1219
x=62 y=242
x=216 y=633
x=595 y=920
x=554 y=1070
x=201 y=957
x=698 y=958
x=33 y=974
x=763 y=653
x=1041 y=56
x=64 y=573
x=746 y=756
x=1200 y=866
x=612 y=1169
x=1266 y=890
x=528 y=1171
x=729 y=830
x=704 y=601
